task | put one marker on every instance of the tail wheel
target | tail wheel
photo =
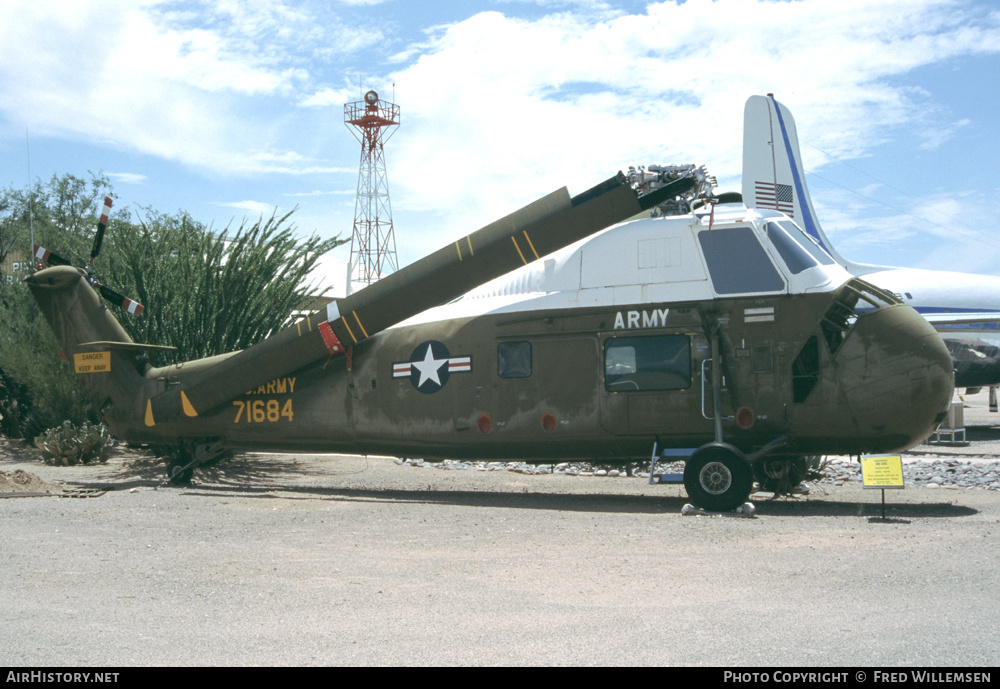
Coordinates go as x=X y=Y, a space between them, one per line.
x=179 y=473
x=718 y=477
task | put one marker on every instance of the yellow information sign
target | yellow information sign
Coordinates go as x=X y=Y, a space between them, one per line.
x=92 y=362
x=882 y=471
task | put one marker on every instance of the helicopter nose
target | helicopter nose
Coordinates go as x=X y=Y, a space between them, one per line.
x=897 y=377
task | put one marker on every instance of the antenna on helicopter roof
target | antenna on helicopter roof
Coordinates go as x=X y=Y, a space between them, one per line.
x=31 y=212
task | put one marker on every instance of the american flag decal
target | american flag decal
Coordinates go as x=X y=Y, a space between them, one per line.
x=775 y=196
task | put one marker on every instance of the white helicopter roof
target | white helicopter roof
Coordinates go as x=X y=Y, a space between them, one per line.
x=728 y=251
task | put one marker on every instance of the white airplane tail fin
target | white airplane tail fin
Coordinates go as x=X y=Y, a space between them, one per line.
x=773 y=175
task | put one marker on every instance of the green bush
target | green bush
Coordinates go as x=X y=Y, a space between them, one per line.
x=206 y=292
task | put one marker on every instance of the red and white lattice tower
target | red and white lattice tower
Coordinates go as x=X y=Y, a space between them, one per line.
x=373 y=245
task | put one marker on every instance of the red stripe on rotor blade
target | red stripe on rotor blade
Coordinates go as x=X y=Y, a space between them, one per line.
x=107 y=210
x=133 y=307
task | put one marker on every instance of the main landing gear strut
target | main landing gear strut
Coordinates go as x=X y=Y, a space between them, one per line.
x=718 y=476
x=191 y=454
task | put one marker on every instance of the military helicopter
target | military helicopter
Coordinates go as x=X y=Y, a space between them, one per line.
x=577 y=327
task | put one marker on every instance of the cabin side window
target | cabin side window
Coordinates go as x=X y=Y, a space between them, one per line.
x=514 y=359
x=738 y=263
x=647 y=363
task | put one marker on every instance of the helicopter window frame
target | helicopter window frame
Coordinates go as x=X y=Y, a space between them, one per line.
x=855 y=299
x=738 y=263
x=648 y=362
x=797 y=249
x=808 y=242
x=514 y=359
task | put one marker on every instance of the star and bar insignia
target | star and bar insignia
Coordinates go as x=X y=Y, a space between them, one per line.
x=430 y=366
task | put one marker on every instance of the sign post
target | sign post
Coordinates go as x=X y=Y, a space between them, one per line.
x=882 y=471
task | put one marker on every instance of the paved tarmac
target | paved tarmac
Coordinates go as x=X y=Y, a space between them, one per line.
x=332 y=560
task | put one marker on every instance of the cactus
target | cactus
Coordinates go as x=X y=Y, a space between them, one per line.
x=68 y=445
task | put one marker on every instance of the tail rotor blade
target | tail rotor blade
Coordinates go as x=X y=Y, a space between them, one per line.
x=53 y=259
x=118 y=299
x=102 y=225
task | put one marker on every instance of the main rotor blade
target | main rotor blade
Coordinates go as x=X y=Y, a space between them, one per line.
x=102 y=225
x=540 y=228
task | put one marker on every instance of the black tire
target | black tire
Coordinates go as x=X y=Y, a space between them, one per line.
x=718 y=477
x=780 y=474
x=176 y=472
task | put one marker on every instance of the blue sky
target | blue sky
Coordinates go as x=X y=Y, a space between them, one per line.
x=233 y=108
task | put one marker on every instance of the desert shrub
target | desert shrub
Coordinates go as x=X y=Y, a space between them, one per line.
x=67 y=444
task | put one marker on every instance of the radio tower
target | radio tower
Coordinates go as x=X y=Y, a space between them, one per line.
x=373 y=246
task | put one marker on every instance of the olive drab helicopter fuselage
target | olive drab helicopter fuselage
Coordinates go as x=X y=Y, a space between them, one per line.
x=727 y=333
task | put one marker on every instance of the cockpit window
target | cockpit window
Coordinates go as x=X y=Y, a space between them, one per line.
x=797 y=250
x=738 y=263
x=811 y=245
x=854 y=299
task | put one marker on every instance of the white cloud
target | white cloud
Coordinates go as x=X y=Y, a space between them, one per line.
x=329 y=97
x=191 y=83
x=127 y=177
x=253 y=208
x=497 y=110
x=935 y=137
x=318 y=192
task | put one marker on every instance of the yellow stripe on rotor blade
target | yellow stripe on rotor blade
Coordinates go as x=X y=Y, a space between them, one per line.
x=150 y=421
x=349 y=331
x=298 y=325
x=363 y=331
x=189 y=409
x=530 y=244
x=459 y=250
x=518 y=250
x=468 y=239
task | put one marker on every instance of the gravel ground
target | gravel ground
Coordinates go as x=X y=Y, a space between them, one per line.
x=318 y=560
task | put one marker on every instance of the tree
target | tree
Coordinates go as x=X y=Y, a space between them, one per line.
x=204 y=292
x=38 y=389
x=208 y=293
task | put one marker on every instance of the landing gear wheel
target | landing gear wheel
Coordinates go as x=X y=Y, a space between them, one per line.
x=780 y=474
x=177 y=474
x=718 y=477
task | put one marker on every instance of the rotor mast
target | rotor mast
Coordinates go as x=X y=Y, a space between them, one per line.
x=373 y=244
